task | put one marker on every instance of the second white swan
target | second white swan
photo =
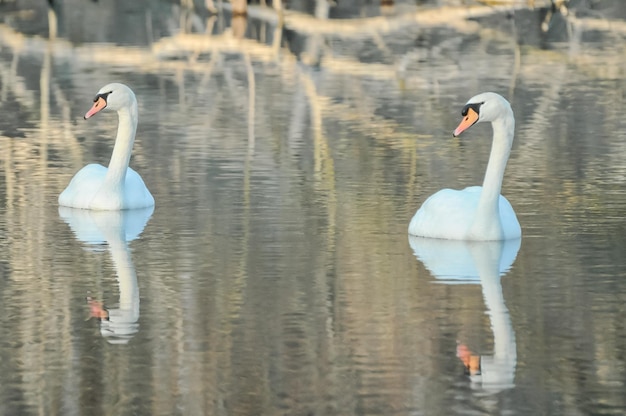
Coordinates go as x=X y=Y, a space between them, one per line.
x=118 y=186
x=475 y=213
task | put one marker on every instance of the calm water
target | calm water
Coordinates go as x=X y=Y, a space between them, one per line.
x=275 y=274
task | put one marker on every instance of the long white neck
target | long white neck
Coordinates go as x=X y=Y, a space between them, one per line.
x=123 y=147
x=487 y=217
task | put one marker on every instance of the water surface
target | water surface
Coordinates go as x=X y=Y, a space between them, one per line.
x=275 y=274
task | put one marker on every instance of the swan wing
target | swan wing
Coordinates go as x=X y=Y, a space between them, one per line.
x=83 y=187
x=136 y=194
x=510 y=225
x=447 y=214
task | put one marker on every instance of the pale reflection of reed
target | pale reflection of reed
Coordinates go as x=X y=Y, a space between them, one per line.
x=462 y=263
x=165 y=52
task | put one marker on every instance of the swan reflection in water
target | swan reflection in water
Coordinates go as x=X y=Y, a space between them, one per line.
x=484 y=263
x=116 y=229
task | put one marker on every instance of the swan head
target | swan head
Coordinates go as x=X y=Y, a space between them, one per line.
x=114 y=96
x=487 y=106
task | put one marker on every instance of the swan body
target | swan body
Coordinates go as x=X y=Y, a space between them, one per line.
x=117 y=187
x=478 y=212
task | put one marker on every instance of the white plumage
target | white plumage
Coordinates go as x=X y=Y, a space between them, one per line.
x=118 y=186
x=476 y=212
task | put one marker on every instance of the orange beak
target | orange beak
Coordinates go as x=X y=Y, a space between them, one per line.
x=98 y=105
x=468 y=121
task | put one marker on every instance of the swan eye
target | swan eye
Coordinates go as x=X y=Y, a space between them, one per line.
x=104 y=96
x=473 y=106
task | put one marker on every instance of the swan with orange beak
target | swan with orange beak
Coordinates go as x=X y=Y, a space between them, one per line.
x=117 y=186
x=477 y=213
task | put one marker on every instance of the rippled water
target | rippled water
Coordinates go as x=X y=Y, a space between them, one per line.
x=275 y=274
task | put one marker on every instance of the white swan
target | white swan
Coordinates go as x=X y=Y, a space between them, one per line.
x=475 y=213
x=118 y=186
